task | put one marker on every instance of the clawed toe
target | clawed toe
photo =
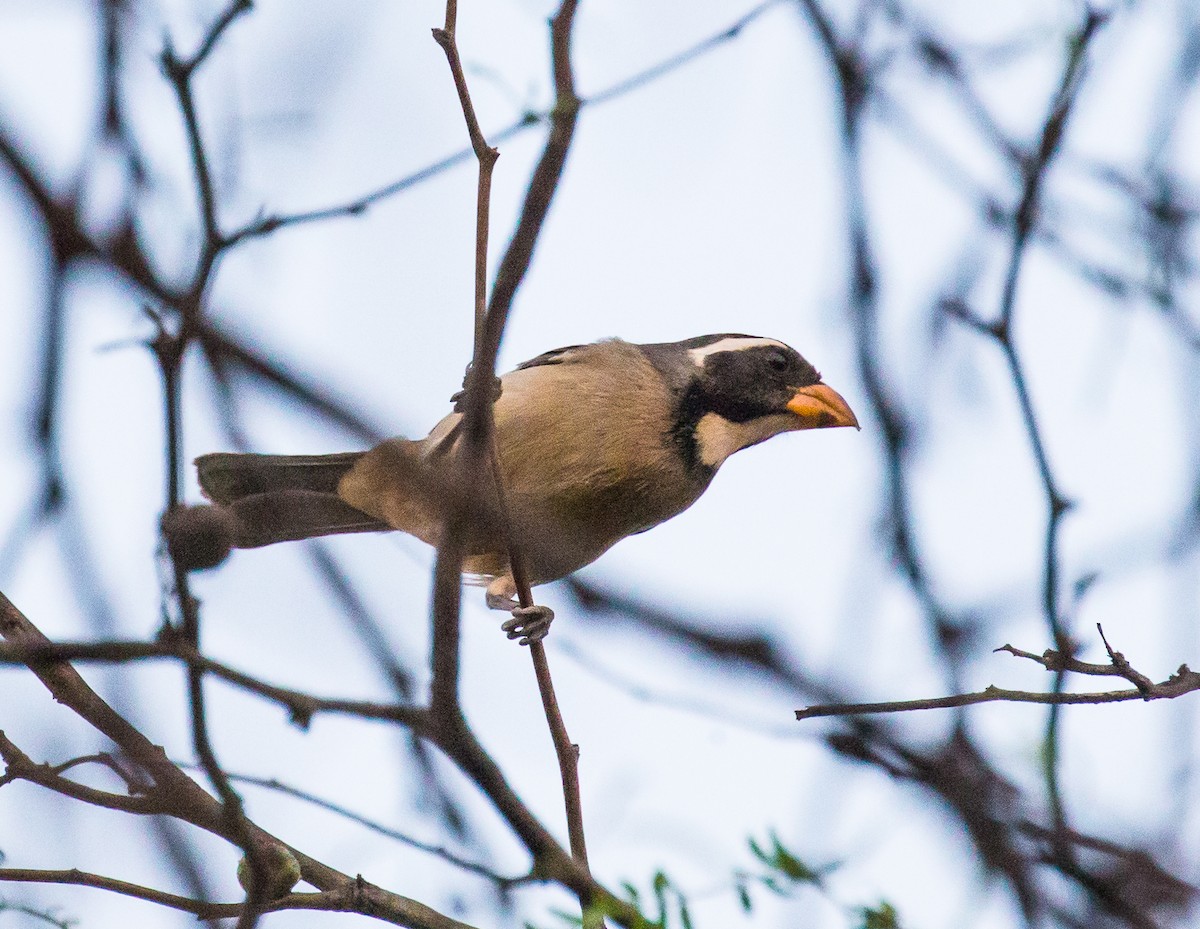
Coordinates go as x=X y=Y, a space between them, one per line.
x=529 y=623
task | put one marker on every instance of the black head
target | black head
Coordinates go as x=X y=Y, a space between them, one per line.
x=741 y=377
x=753 y=388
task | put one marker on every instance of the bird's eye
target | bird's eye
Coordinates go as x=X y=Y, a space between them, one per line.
x=778 y=361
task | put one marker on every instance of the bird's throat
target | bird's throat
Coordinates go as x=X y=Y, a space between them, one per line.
x=717 y=437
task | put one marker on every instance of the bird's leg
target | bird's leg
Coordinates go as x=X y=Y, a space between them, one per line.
x=528 y=623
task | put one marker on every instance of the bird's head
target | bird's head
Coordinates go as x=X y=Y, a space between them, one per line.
x=738 y=390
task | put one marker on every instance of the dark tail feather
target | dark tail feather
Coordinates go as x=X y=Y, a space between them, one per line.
x=280 y=498
x=287 y=515
x=226 y=476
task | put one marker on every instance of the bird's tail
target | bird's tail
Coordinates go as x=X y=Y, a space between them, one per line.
x=279 y=498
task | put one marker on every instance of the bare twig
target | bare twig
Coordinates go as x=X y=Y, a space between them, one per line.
x=266 y=224
x=225 y=348
x=179 y=72
x=169 y=349
x=856 y=88
x=355 y=897
x=124 y=888
x=512 y=269
x=191 y=803
x=448 y=567
x=438 y=851
x=20 y=767
x=1001 y=330
x=489 y=326
x=1183 y=681
x=301 y=706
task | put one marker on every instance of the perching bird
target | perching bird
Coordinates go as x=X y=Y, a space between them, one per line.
x=595 y=442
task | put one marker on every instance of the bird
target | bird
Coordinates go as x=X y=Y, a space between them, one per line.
x=594 y=442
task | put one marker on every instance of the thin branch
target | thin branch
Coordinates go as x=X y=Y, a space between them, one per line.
x=356 y=897
x=856 y=88
x=215 y=31
x=1182 y=682
x=661 y=69
x=264 y=225
x=301 y=706
x=1001 y=330
x=20 y=767
x=190 y=802
x=124 y=888
x=431 y=788
x=225 y=348
x=542 y=188
x=169 y=349
x=566 y=750
x=438 y=851
x=1185 y=682
x=452 y=733
x=1053 y=130
x=179 y=72
x=108 y=761
x=452 y=550
x=551 y=861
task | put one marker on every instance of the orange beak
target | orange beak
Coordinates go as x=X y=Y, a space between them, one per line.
x=820 y=407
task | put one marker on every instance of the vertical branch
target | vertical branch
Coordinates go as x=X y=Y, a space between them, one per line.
x=448 y=567
x=489 y=327
x=855 y=87
x=179 y=71
x=566 y=750
x=170 y=348
x=1057 y=504
x=854 y=84
x=447 y=597
x=516 y=262
x=485 y=154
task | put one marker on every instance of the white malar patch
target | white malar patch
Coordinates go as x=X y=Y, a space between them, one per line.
x=717 y=437
x=733 y=344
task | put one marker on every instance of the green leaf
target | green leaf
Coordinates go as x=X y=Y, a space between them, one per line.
x=660 y=885
x=569 y=918
x=784 y=864
x=883 y=916
x=743 y=893
x=794 y=868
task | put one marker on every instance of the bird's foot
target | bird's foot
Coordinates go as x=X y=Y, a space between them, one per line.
x=529 y=623
x=460 y=395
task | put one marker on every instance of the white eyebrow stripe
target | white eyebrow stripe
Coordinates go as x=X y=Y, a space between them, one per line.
x=734 y=344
